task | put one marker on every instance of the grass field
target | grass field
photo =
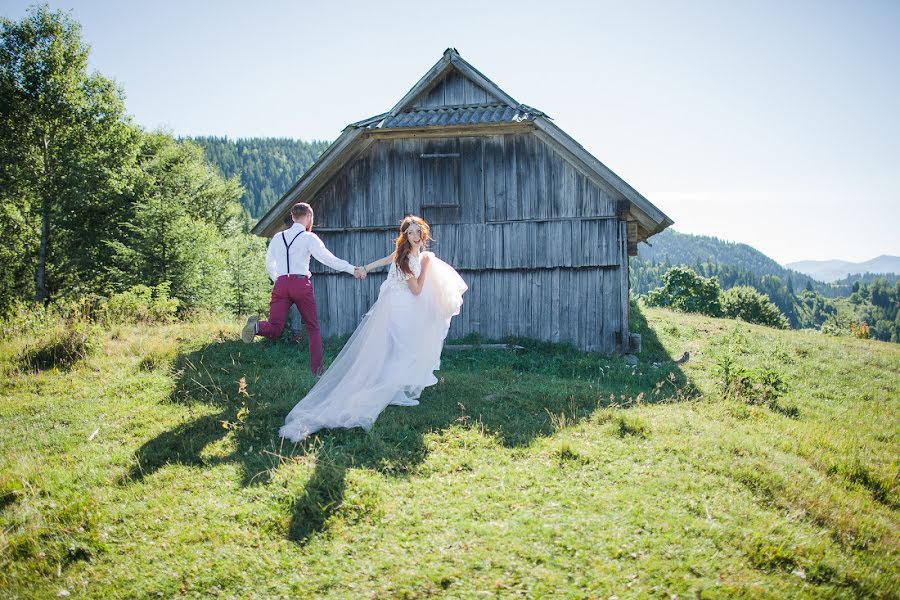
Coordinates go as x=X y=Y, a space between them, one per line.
x=152 y=468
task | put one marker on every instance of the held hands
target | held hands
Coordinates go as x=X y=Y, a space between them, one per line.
x=359 y=272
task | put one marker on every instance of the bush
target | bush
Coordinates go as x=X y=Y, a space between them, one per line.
x=142 y=304
x=685 y=290
x=846 y=323
x=860 y=330
x=836 y=324
x=28 y=319
x=762 y=386
x=628 y=424
x=744 y=302
x=60 y=347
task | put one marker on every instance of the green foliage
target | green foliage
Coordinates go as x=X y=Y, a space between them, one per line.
x=60 y=347
x=89 y=203
x=182 y=214
x=836 y=325
x=761 y=385
x=852 y=282
x=28 y=319
x=631 y=425
x=267 y=167
x=142 y=304
x=744 y=302
x=870 y=312
x=686 y=291
x=811 y=309
x=877 y=305
x=16 y=246
x=740 y=265
x=67 y=152
x=249 y=286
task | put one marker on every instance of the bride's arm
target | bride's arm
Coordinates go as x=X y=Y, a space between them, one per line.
x=415 y=283
x=383 y=262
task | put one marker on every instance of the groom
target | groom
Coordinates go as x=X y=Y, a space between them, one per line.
x=287 y=262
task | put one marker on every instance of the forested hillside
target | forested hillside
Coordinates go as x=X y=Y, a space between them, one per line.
x=805 y=302
x=267 y=166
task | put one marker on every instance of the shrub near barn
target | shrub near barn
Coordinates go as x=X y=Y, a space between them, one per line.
x=686 y=291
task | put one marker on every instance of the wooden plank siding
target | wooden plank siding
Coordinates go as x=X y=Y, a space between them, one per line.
x=453 y=90
x=492 y=178
x=558 y=305
x=541 y=245
x=512 y=245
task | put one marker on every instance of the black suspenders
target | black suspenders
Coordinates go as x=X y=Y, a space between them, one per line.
x=287 y=248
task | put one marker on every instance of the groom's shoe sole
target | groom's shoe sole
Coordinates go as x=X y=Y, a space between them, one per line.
x=249 y=331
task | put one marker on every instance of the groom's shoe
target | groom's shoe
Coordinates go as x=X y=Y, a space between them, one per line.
x=249 y=331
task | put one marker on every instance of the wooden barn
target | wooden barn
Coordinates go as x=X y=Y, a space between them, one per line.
x=539 y=228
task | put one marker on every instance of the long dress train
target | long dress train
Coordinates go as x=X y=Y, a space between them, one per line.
x=391 y=356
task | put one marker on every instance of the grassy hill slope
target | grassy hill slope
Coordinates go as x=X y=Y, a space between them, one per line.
x=150 y=469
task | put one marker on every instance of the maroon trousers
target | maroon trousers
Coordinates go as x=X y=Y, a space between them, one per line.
x=294 y=289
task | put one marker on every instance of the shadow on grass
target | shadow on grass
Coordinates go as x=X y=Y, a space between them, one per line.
x=209 y=381
x=514 y=396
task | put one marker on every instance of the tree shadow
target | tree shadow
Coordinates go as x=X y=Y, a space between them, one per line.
x=513 y=396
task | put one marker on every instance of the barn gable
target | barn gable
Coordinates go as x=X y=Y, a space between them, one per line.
x=540 y=228
x=455 y=99
x=452 y=82
x=455 y=89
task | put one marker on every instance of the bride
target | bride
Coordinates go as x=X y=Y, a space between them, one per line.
x=391 y=356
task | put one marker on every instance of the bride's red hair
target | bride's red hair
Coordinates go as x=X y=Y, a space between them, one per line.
x=403 y=245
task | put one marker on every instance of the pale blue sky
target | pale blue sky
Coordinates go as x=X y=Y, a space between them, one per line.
x=771 y=123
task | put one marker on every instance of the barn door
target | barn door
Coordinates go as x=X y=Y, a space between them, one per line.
x=440 y=181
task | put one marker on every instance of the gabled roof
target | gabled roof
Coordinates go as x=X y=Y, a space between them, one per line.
x=467 y=114
x=451 y=60
x=493 y=108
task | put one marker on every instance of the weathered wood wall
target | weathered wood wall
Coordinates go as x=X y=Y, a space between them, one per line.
x=561 y=305
x=455 y=89
x=541 y=245
x=511 y=245
x=460 y=180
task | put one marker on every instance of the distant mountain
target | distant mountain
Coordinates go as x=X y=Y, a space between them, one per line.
x=675 y=248
x=833 y=270
x=805 y=301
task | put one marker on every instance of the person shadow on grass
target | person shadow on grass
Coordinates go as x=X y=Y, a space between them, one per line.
x=242 y=394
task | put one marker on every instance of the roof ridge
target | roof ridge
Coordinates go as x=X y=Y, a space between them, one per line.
x=454 y=107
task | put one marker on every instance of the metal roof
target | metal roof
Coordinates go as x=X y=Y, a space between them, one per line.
x=447 y=116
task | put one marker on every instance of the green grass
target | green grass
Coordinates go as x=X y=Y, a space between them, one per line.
x=147 y=469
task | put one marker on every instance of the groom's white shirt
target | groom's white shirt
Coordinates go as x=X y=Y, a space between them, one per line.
x=305 y=245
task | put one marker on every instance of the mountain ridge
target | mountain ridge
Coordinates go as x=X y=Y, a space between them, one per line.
x=836 y=269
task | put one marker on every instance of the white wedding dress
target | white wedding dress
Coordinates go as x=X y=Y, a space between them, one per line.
x=390 y=358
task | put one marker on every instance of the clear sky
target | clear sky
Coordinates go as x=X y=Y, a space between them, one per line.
x=771 y=123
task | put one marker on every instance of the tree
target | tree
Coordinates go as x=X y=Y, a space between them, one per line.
x=685 y=290
x=249 y=286
x=267 y=167
x=744 y=302
x=67 y=146
x=182 y=212
x=878 y=305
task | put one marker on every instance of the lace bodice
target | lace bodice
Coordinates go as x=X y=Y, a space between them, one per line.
x=396 y=279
